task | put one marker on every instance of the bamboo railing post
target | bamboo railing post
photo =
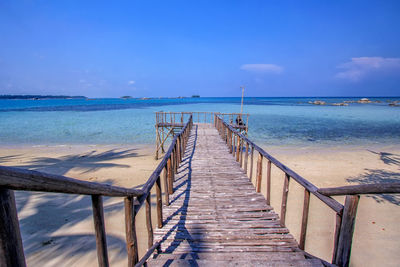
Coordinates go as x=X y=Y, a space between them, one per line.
x=181 y=147
x=157 y=141
x=251 y=163
x=170 y=179
x=11 y=249
x=304 y=220
x=101 y=241
x=268 y=183
x=284 y=199
x=337 y=233
x=246 y=158
x=259 y=173
x=173 y=163
x=130 y=229
x=150 y=237
x=178 y=148
x=241 y=153
x=346 y=230
x=159 y=203
x=233 y=145
x=237 y=148
x=166 y=185
x=230 y=141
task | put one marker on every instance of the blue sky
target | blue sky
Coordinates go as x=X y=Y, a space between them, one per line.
x=211 y=48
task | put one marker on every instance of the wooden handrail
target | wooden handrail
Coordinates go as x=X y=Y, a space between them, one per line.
x=336 y=206
x=384 y=188
x=169 y=164
x=157 y=172
x=345 y=214
x=27 y=180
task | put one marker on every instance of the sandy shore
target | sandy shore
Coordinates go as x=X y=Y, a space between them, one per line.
x=58 y=229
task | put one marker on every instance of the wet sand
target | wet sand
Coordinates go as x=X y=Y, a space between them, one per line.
x=57 y=229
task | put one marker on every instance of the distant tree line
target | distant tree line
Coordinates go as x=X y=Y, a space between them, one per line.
x=40 y=97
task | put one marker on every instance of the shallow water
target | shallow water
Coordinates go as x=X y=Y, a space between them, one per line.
x=273 y=121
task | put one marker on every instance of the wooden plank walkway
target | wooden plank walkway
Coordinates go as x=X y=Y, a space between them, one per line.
x=216 y=218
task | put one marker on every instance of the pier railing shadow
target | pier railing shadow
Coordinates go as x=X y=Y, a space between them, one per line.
x=378 y=176
x=388 y=158
x=85 y=162
x=42 y=239
x=12 y=252
x=181 y=232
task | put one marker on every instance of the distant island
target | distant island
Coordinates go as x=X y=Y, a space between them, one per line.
x=37 y=97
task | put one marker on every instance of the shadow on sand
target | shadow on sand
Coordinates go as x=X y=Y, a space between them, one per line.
x=86 y=162
x=183 y=184
x=45 y=217
x=373 y=176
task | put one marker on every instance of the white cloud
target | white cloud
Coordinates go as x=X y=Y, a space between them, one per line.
x=262 y=68
x=360 y=67
x=131 y=82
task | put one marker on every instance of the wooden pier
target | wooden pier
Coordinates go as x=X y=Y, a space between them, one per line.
x=210 y=215
x=216 y=218
x=168 y=124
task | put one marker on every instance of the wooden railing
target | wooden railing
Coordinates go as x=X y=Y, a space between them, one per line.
x=11 y=249
x=198 y=117
x=241 y=147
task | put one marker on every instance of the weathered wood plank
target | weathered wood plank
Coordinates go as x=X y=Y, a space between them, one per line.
x=383 y=188
x=100 y=231
x=304 y=219
x=284 y=199
x=268 y=194
x=159 y=203
x=130 y=229
x=214 y=207
x=11 y=249
x=346 y=230
x=22 y=179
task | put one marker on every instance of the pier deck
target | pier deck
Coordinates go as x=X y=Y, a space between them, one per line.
x=216 y=218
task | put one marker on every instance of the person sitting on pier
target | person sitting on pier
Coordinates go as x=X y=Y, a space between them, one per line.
x=239 y=121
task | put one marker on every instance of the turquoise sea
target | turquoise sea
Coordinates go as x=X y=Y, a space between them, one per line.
x=273 y=121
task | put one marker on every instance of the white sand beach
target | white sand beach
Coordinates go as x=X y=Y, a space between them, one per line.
x=57 y=229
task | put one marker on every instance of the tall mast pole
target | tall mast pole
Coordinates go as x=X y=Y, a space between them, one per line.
x=241 y=106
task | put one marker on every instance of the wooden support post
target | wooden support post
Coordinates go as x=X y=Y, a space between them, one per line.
x=337 y=233
x=157 y=142
x=101 y=241
x=178 y=153
x=166 y=185
x=304 y=220
x=259 y=173
x=251 y=163
x=150 y=237
x=130 y=229
x=237 y=148
x=11 y=249
x=176 y=158
x=241 y=152
x=246 y=157
x=159 y=203
x=346 y=230
x=230 y=141
x=181 y=148
x=268 y=195
x=284 y=199
x=170 y=178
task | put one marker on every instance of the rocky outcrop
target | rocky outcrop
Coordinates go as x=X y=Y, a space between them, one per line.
x=317 y=102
